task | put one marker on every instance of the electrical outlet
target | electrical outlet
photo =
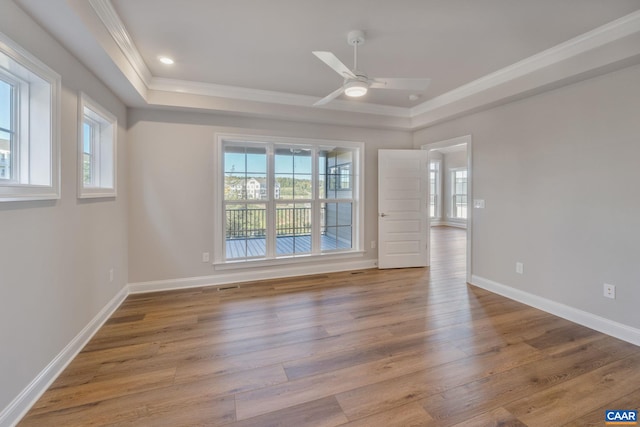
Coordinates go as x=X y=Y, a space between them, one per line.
x=111 y=275
x=373 y=244
x=519 y=268
x=609 y=291
x=205 y=256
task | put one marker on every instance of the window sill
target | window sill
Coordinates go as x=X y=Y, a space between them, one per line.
x=26 y=192
x=294 y=259
x=96 y=192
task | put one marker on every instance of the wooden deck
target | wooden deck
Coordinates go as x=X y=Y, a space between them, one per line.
x=284 y=245
x=407 y=347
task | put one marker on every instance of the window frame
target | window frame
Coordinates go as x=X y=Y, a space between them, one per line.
x=316 y=200
x=104 y=129
x=36 y=117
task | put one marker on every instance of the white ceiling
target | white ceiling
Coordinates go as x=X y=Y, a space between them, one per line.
x=260 y=51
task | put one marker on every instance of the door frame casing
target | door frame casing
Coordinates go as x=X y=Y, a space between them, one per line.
x=465 y=139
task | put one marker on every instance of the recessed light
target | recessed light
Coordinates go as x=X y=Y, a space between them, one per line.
x=165 y=60
x=414 y=97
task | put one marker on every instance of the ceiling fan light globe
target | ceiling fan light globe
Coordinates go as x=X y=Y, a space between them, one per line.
x=356 y=89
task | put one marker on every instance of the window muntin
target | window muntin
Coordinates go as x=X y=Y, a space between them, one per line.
x=96 y=150
x=459 y=193
x=295 y=218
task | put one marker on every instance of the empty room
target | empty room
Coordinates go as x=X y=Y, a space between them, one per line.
x=319 y=213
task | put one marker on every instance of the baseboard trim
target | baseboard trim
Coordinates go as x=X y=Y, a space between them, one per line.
x=247 y=275
x=456 y=224
x=584 y=318
x=12 y=414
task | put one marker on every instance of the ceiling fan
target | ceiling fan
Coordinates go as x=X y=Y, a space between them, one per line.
x=356 y=82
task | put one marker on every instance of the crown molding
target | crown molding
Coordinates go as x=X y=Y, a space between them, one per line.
x=114 y=25
x=610 y=32
x=272 y=97
x=446 y=105
x=111 y=20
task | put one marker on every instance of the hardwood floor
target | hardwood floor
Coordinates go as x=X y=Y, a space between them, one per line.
x=411 y=347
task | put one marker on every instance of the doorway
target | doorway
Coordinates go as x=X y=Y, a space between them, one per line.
x=450 y=199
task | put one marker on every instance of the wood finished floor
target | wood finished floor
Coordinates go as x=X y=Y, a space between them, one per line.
x=411 y=347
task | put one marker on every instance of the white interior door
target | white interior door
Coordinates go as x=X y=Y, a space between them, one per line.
x=402 y=208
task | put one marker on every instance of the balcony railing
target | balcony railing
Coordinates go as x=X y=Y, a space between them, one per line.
x=290 y=221
x=246 y=232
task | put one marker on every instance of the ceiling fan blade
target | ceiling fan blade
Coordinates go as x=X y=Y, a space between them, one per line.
x=402 y=84
x=336 y=93
x=332 y=61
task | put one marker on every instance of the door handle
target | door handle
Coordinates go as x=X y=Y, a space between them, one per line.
x=383 y=215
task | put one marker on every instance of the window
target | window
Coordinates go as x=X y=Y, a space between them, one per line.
x=459 y=193
x=96 y=150
x=29 y=129
x=434 y=190
x=282 y=199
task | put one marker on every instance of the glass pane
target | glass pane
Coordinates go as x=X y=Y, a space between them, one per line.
x=86 y=169
x=5 y=155
x=302 y=186
x=344 y=181
x=337 y=173
x=87 y=160
x=86 y=137
x=293 y=173
x=344 y=214
x=322 y=174
x=283 y=162
x=245 y=173
x=235 y=187
x=5 y=105
x=293 y=228
x=256 y=161
x=302 y=161
x=6 y=126
x=245 y=230
x=257 y=188
x=234 y=160
x=336 y=226
x=284 y=185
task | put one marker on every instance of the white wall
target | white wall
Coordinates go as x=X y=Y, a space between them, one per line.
x=559 y=174
x=171 y=190
x=55 y=255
